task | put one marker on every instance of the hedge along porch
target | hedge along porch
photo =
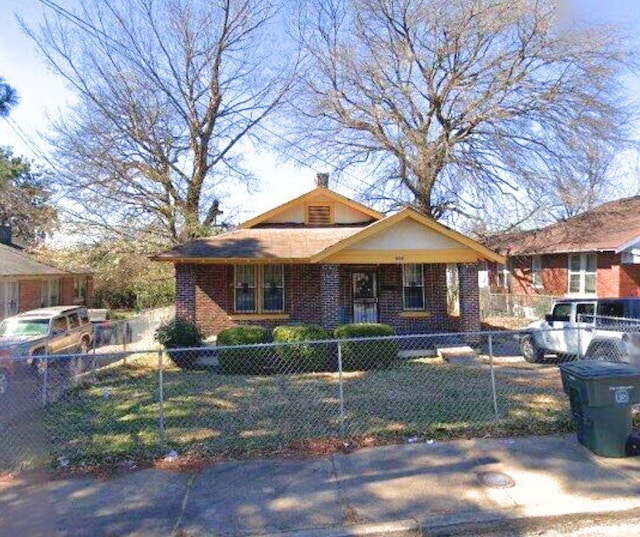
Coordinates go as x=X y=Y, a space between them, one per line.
x=325 y=259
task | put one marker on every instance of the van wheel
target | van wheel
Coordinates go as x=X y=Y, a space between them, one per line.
x=530 y=350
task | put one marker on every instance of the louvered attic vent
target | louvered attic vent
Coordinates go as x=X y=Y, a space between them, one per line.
x=319 y=215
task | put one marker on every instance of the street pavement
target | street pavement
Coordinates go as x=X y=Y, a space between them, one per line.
x=513 y=486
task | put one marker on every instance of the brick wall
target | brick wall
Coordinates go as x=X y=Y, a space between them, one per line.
x=205 y=292
x=608 y=275
x=612 y=280
x=30 y=294
x=330 y=295
x=185 y=291
x=67 y=290
x=212 y=293
x=469 y=297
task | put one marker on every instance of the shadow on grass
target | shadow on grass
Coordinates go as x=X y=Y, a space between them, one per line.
x=118 y=416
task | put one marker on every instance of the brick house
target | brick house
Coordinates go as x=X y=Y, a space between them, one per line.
x=596 y=253
x=325 y=259
x=27 y=284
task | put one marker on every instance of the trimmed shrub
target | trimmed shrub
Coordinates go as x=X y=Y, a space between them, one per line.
x=303 y=356
x=244 y=361
x=180 y=333
x=363 y=355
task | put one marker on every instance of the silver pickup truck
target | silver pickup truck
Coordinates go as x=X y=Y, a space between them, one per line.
x=595 y=328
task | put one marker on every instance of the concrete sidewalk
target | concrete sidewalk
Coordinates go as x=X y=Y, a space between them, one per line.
x=441 y=488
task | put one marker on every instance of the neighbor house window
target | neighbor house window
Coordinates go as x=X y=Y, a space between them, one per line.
x=245 y=288
x=9 y=299
x=413 y=287
x=273 y=288
x=80 y=289
x=582 y=274
x=50 y=293
x=536 y=271
x=503 y=275
x=249 y=279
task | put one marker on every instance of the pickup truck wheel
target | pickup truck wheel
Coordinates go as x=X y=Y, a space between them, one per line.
x=84 y=346
x=38 y=362
x=530 y=350
x=4 y=382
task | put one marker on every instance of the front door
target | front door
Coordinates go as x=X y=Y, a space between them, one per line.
x=365 y=297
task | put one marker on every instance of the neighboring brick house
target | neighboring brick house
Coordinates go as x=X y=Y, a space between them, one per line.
x=27 y=284
x=596 y=253
x=325 y=259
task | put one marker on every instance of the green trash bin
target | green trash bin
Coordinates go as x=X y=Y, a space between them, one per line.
x=601 y=395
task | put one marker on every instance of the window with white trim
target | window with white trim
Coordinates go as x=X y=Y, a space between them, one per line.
x=536 y=271
x=582 y=274
x=9 y=298
x=80 y=289
x=503 y=275
x=413 y=287
x=259 y=288
x=50 y=293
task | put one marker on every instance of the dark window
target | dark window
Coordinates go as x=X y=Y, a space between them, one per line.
x=245 y=288
x=60 y=324
x=413 y=287
x=273 y=288
x=585 y=312
x=562 y=312
x=74 y=320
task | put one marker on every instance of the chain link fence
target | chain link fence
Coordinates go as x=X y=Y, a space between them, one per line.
x=515 y=305
x=128 y=407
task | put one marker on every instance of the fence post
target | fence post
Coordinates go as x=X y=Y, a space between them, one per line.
x=493 y=379
x=579 y=328
x=93 y=361
x=161 y=398
x=45 y=376
x=341 y=390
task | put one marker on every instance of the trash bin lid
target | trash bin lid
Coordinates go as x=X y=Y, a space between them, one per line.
x=597 y=369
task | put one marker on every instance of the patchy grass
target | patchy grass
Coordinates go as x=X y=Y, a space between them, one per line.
x=210 y=416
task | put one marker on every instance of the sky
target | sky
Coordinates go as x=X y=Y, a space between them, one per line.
x=43 y=95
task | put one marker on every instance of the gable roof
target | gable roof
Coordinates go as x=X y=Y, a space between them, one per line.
x=408 y=213
x=303 y=244
x=309 y=196
x=612 y=226
x=16 y=262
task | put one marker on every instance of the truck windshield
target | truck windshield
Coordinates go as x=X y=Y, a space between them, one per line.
x=24 y=327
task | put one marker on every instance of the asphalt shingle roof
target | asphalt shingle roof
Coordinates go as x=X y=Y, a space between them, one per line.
x=262 y=243
x=15 y=262
x=607 y=227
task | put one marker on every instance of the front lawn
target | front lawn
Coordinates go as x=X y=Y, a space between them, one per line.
x=116 y=418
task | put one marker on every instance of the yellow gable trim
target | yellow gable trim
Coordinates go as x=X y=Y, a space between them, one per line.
x=377 y=227
x=324 y=193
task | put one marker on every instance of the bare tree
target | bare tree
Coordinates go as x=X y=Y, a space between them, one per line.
x=166 y=90
x=459 y=105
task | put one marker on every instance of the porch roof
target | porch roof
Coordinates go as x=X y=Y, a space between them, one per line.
x=405 y=237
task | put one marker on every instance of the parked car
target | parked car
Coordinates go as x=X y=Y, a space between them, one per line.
x=589 y=328
x=55 y=330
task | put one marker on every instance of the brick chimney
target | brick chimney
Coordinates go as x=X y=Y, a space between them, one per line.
x=322 y=179
x=5 y=235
